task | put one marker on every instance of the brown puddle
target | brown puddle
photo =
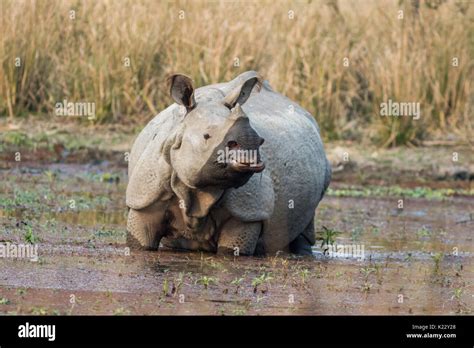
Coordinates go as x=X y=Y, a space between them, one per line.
x=418 y=260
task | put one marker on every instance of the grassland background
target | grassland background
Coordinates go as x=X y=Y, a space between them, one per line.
x=409 y=60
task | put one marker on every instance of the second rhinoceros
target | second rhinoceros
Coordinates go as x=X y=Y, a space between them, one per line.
x=230 y=167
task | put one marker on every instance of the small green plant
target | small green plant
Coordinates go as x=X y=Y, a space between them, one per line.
x=239 y=311
x=4 y=301
x=21 y=292
x=375 y=230
x=367 y=271
x=237 y=281
x=457 y=294
x=366 y=287
x=423 y=232
x=108 y=177
x=260 y=280
x=304 y=274
x=206 y=281
x=379 y=273
x=50 y=175
x=17 y=138
x=260 y=298
x=328 y=237
x=461 y=306
x=29 y=235
x=39 y=311
x=121 y=311
x=437 y=259
x=165 y=289
x=177 y=283
x=356 y=233
x=106 y=233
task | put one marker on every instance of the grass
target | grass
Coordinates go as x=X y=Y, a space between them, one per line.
x=48 y=55
x=237 y=282
x=177 y=283
x=121 y=311
x=107 y=233
x=166 y=288
x=423 y=232
x=261 y=280
x=29 y=236
x=396 y=191
x=38 y=200
x=366 y=271
x=304 y=274
x=457 y=293
x=78 y=203
x=17 y=138
x=4 y=301
x=206 y=281
x=437 y=259
x=42 y=209
x=21 y=292
x=327 y=237
x=39 y=311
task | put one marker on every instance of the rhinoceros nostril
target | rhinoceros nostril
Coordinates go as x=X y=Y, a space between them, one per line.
x=262 y=141
x=232 y=144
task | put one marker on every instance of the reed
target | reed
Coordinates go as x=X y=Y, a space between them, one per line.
x=299 y=46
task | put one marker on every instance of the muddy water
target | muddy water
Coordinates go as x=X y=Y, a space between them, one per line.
x=418 y=259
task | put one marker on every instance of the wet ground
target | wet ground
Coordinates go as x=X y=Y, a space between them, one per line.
x=416 y=259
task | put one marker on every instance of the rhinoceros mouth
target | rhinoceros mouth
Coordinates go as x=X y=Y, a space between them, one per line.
x=247 y=166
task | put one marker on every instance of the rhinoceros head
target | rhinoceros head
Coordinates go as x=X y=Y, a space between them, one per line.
x=215 y=144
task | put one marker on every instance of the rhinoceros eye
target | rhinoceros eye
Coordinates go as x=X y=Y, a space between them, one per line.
x=206 y=136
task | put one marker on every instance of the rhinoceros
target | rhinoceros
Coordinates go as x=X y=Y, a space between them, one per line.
x=231 y=167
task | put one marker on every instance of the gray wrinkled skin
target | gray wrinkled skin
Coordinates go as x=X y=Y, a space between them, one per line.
x=178 y=197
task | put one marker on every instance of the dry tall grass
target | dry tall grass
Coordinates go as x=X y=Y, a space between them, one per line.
x=408 y=60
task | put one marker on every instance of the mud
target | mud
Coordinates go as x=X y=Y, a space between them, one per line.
x=417 y=259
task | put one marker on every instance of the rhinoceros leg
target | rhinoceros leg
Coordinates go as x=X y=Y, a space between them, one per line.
x=146 y=227
x=187 y=244
x=237 y=234
x=301 y=245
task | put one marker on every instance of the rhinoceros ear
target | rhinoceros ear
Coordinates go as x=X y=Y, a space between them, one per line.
x=241 y=93
x=182 y=90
